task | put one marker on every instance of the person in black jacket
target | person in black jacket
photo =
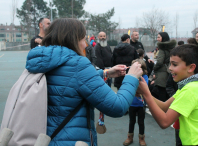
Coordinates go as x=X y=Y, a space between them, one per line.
x=90 y=53
x=43 y=24
x=138 y=45
x=103 y=54
x=123 y=53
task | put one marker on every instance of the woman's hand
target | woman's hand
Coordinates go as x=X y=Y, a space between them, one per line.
x=136 y=70
x=117 y=71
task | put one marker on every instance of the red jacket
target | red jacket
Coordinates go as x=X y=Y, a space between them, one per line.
x=176 y=124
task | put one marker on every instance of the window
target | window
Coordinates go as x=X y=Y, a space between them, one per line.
x=18 y=40
x=7 y=35
x=7 y=28
x=7 y=40
x=18 y=34
x=25 y=40
x=24 y=34
x=18 y=29
x=2 y=35
x=13 y=28
x=2 y=29
x=2 y=39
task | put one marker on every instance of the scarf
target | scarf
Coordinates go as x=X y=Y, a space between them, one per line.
x=182 y=83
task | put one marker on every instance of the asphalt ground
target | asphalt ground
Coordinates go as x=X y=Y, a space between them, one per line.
x=12 y=63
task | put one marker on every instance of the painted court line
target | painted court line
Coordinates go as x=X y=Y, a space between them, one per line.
x=14 y=61
x=1 y=55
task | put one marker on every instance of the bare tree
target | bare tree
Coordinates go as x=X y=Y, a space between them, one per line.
x=153 y=21
x=13 y=15
x=176 y=20
x=137 y=22
x=195 y=18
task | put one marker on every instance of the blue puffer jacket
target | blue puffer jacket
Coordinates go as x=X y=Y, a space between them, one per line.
x=70 y=79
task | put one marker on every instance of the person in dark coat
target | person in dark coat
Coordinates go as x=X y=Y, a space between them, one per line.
x=192 y=41
x=160 y=68
x=123 y=53
x=43 y=24
x=90 y=53
x=103 y=54
x=138 y=45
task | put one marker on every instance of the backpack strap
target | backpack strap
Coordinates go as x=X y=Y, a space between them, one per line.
x=67 y=119
x=89 y=124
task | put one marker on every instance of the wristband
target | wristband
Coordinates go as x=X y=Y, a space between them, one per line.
x=105 y=74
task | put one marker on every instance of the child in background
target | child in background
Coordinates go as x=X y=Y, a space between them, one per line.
x=92 y=41
x=184 y=103
x=149 y=65
x=137 y=107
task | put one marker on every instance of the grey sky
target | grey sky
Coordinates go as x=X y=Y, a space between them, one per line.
x=126 y=11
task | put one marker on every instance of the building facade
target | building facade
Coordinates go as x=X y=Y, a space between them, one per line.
x=13 y=33
x=194 y=32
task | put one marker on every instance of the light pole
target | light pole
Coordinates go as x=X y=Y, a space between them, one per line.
x=51 y=12
x=72 y=8
x=163 y=28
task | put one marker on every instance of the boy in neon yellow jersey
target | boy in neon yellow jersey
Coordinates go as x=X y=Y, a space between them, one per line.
x=184 y=103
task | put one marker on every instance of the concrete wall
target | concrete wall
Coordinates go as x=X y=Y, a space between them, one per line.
x=2 y=45
x=14 y=46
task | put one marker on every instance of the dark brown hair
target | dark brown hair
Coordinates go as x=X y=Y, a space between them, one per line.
x=140 y=52
x=188 y=53
x=65 y=32
x=143 y=65
x=192 y=41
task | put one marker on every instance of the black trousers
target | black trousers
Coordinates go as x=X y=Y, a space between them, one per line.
x=159 y=93
x=177 y=139
x=109 y=81
x=140 y=111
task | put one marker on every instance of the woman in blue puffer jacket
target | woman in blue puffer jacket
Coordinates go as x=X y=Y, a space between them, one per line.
x=72 y=78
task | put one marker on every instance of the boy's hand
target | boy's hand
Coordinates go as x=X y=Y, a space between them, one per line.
x=143 y=88
x=136 y=70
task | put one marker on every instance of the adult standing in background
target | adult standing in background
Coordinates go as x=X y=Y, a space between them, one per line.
x=192 y=41
x=138 y=45
x=196 y=37
x=42 y=24
x=180 y=43
x=89 y=52
x=160 y=68
x=123 y=53
x=103 y=54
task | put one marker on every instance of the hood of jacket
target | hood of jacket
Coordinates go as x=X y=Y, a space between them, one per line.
x=166 y=45
x=123 y=48
x=43 y=59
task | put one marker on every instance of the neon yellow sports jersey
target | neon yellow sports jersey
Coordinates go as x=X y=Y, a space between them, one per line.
x=186 y=103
